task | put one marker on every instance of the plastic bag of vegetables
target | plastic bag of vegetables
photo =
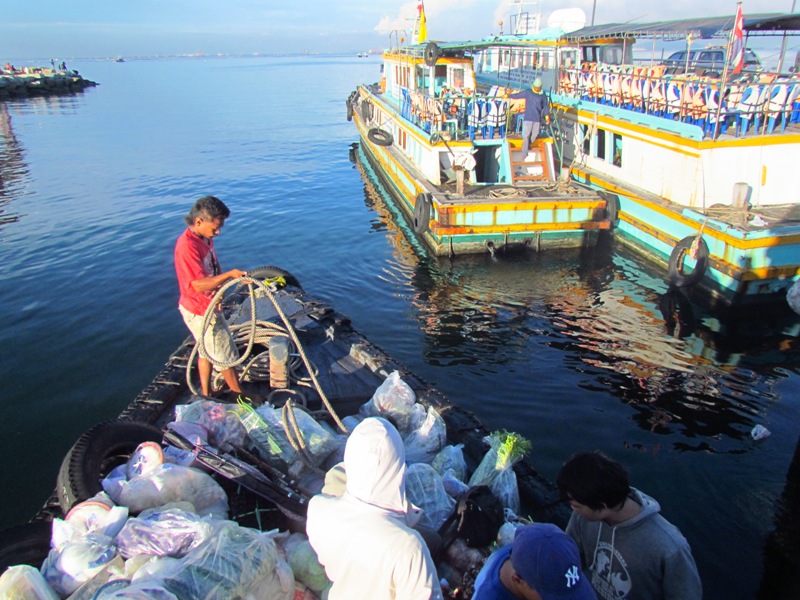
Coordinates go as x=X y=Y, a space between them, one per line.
x=495 y=470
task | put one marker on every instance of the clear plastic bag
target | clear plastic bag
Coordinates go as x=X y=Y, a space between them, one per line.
x=454 y=487
x=221 y=421
x=236 y=562
x=24 y=582
x=451 y=458
x=77 y=561
x=162 y=532
x=426 y=439
x=305 y=563
x=393 y=400
x=425 y=489
x=171 y=483
x=496 y=467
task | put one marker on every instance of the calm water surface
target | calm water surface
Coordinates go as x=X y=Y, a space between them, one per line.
x=574 y=351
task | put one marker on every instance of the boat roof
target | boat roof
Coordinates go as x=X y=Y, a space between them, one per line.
x=766 y=24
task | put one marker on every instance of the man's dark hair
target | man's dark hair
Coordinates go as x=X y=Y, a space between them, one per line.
x=208 y=207
x=594 y=480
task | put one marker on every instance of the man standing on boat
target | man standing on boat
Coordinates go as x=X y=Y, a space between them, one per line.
x=199 y=277
x=537 y=107
x=629 y=551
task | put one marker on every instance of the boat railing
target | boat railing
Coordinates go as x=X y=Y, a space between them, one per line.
x=460 y=113
x=752 y=104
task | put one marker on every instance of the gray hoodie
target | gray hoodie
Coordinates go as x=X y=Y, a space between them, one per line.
x=643 y=558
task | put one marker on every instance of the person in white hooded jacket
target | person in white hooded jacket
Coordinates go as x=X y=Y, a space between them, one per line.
x=629 y=551
x=363 y=537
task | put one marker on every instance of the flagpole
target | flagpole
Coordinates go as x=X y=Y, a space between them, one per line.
x=724 y=80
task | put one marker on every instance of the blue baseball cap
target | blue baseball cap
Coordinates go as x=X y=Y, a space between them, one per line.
x=548 y=560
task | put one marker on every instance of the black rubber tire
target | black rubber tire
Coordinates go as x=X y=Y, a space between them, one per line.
x=27 y=544
x=95 y=454
x=431 y=53
x=422 y=212
x=380 y=137
x=268 y=272
x=349 y=110
x=612 y=207
x=366 y=110
x=676 y=275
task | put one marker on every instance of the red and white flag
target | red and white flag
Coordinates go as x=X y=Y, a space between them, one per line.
x=736 y=52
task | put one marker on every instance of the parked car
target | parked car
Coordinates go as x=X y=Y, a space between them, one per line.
x=709 y=59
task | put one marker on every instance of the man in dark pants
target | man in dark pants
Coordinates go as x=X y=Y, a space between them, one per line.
x=537 y=107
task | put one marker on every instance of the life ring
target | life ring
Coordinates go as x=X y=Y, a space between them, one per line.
x=678 y=255
x=380 y=137
x=95 y=454
x=431 y=54
x=269 y=272
x=27 y=544
x=422 y=212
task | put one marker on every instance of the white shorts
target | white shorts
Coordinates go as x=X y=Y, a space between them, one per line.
x=218 y=340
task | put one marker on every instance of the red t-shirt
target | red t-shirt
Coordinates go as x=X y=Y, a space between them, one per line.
x=195 y=258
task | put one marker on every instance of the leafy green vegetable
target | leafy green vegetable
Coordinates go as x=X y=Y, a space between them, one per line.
x=511 y=447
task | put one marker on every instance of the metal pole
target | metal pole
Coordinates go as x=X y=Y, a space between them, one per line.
x=594 y=7
x=783 y=46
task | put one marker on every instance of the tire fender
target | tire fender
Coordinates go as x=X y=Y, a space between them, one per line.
x=422 y=212
x=95 y=454
x=677 y=257
x=431 y=53
x=380 y=137
x=269 y=272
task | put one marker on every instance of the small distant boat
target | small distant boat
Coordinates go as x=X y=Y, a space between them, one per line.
x=119 y=59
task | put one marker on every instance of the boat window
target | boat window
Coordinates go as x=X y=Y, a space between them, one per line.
x=423 y=77
x=589 y=53
x=617 y=143
x=600 y=144
x=612 y=55
x=457 y=78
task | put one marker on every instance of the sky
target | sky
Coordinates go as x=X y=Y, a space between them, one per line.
x=48 y=29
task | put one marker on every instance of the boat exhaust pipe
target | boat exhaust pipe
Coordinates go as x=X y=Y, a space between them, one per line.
x=279 y=362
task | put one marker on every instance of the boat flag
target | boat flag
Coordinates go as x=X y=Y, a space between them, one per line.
x=422 y=31
x=736 y=52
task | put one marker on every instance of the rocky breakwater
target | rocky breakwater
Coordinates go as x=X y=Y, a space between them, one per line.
x=36 y=81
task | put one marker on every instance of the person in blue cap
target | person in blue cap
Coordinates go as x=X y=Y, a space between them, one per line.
x=541 y=564
x=537 y=108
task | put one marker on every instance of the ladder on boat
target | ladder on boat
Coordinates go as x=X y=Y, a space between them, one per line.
x=532 y=166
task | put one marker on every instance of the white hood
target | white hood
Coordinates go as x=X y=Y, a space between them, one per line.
x=375 y=462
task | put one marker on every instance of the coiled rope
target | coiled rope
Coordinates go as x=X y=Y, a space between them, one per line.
x=267 y=332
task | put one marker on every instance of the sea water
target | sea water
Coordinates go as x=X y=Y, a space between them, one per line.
x=574 y=350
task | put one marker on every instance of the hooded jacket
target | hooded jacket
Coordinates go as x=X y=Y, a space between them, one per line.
x=645 y=557
x=362 y=537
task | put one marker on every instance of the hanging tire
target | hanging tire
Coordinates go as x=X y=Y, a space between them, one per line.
x=422 y=212
x=27 y=544
x=676 y=260
x=431 y=54
x=95 y=454
x=269 y=271
x=380 y=137
x=349 y=110
x=612 y=207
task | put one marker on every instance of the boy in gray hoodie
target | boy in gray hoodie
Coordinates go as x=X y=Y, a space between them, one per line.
x=627 y=548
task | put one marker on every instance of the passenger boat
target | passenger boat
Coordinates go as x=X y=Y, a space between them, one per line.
x=705 y=187
x=299 y=355
x=454 y=165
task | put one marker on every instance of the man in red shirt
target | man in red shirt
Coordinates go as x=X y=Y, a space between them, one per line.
x=199 y=277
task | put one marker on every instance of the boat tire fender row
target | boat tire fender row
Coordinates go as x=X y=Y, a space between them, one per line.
x=269 y=272
x=677 y=257
x=380 y=137
x=431 y=53
x=612 y=206
x=422 y=212
x=95 y=454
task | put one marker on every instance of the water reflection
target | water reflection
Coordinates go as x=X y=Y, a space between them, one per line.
x=13 y=169
x=620 y=330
